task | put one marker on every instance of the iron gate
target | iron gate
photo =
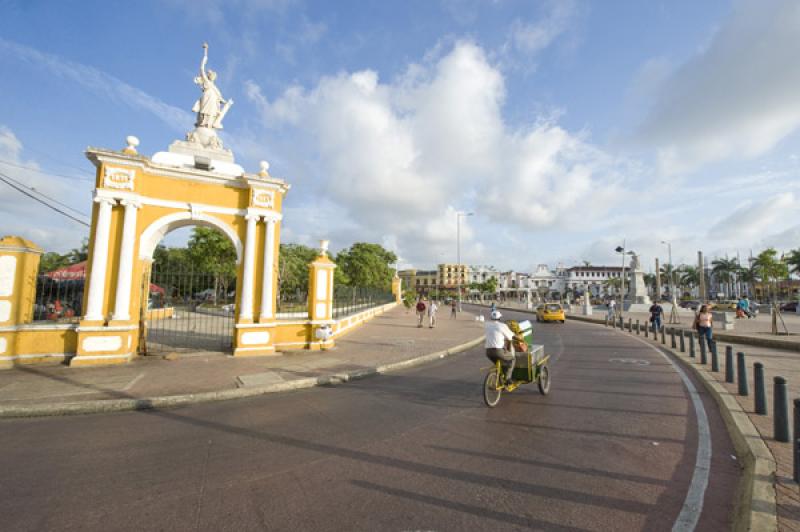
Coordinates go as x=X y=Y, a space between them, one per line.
x=187 y=311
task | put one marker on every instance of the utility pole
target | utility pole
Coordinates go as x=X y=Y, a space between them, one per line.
x=658 y=283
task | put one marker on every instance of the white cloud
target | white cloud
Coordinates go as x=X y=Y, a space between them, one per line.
x=400 y=158
x=101 y=84
x=534 y=37
x=737 y=98
x=755 y=218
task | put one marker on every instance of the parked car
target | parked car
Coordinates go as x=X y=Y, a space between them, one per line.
x=692 y=304
x=791 y=306
x=550 y=312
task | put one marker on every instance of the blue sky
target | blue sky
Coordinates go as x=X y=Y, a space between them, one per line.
x=565 y=126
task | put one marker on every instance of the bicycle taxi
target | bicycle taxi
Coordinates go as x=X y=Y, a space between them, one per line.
x=530 y=366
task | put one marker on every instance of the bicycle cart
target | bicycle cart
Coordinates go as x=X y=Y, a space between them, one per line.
x=530 y=366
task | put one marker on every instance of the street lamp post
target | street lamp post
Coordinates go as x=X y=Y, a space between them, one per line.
x=459 y=214
x=621 y=249
x=673 y=315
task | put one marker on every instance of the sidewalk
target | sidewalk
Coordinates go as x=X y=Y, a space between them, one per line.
x=389 y=339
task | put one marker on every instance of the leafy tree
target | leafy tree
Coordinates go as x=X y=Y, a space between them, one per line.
x=688 y=276
x=793 y=261
x=293 y=264
x=172 y=259
x=76 y=255
x=613 y=284
x=367 y=265
x=490 y=285
x=212 y=252
x=768 y=267
x=51 y=261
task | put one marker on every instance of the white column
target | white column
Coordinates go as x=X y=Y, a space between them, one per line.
x=97 y=281
x=125 y=274
x=267 y=295
x=246 y=305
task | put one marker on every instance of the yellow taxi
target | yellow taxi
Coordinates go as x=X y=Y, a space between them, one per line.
x=550 y=312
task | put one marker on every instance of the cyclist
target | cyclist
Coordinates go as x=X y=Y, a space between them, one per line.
x=498 y=335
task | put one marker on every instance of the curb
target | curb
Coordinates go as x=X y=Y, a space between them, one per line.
x=172 y=401
x=769 y=343
x=756 y=505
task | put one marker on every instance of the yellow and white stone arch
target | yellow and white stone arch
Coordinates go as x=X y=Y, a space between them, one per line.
x=137 y=201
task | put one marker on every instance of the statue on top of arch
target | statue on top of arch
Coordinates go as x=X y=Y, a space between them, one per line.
x=211 y=107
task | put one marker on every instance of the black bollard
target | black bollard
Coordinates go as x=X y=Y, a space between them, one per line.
x=714 y=357
x=646 y=331
x=638 y=330
x=796 y=440
x=630 y=325
x=691 y=345
x=701 y=341
x=621 y=323
x=613 y=323
x=672 y=338
x=761 y=393
x=683 y=341
x=728 y=364
x=781 y=408
x=741 y=374
x=663 y=336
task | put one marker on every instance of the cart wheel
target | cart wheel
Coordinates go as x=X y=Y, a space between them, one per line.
x=544 y=380
x=491 y=394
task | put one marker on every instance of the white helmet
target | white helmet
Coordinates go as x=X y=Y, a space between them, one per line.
x=496 y=315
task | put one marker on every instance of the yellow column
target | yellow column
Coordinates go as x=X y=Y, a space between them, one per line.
x=19 y=264
x=397 y=288
x=320 y=298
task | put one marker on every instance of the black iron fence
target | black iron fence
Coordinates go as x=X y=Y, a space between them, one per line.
x=58 y=300
x=293 y=304
x=188 y=310
x=352 y=299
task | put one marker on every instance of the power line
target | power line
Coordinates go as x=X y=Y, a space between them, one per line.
x=35 y=191
x=45 y=172
x=4 y=178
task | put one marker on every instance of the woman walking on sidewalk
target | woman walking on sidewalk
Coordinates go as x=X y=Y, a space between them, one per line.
x=703 y=323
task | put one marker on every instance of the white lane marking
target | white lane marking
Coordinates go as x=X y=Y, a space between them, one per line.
x=693 y=504
x=134 y=381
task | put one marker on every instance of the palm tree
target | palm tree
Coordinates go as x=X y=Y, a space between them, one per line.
x=768 y=267
x=613 y=284
x=723 y=270
x=650 y=282
x=689 y=276
x=793 y=261
x=669 y=271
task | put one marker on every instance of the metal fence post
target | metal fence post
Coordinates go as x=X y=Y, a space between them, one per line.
x=714 y=357
x=638 y=330
x=692 y=353
x=701 y=341
x=796 y=446
x=741 y=374
x=663 y=335
x=761 y=394
x=682 y=337
x=781 y=408
x=729 y=364
x=672 y=338
x=646 y=331
x=630 y=326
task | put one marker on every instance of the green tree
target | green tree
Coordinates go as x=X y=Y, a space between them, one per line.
x=76 y=255
x=212 y=252
x=793 y=261
x=367 y=265
x=724 y=270
x=293 y=264
x=688 y=276
x=51 y=261
x=613 y=284
x=769 y=268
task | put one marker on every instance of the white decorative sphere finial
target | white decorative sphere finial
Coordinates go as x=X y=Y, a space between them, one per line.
x=323 y=246
x=264 y=168
x=132 y=142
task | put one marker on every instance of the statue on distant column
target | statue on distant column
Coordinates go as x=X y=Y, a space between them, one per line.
x=635 y=264
x=211 y=107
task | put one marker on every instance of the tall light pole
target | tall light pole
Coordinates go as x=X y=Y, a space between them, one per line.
x=673 y=315
x=621 y=250
x=459 y=214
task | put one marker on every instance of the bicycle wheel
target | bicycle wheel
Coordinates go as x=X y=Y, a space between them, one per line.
x=491 y=393
x=544 y=380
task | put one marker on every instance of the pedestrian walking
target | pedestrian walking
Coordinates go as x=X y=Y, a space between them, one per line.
x=612 y=308
x=703 y=322
x=432 y=309
x=420 y=311
x=656 y=311
x=453 y=309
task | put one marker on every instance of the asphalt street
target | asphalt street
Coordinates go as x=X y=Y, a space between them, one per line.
x=613 y=447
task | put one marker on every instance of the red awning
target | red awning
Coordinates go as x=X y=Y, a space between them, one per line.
x=69 y=273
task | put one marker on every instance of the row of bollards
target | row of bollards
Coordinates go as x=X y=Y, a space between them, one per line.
x=736 y=373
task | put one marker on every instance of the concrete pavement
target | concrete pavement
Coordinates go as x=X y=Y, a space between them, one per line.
x=613 y=447
x=389 y=340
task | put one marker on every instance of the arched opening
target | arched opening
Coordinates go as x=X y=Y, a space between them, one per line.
x=188 y=286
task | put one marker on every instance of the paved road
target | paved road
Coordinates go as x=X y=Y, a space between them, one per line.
x=613 y=447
